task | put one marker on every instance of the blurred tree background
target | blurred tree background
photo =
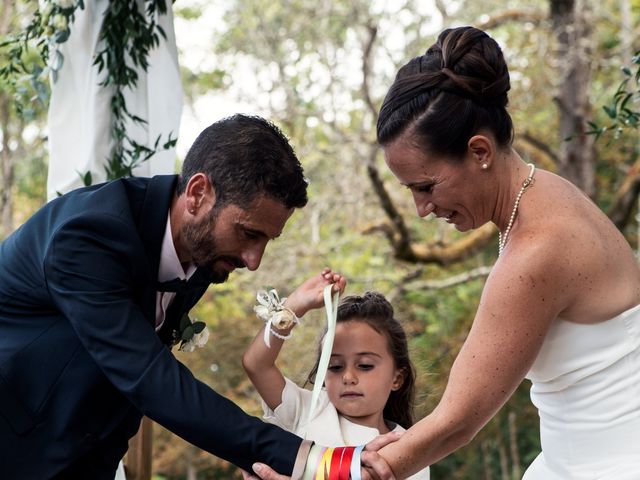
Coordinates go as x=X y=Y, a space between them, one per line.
x=320 y=70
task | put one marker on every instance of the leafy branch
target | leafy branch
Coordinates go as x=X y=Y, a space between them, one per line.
x=49 y=27
x=621 y=112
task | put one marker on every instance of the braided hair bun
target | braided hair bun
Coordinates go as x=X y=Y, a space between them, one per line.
x=444 y=97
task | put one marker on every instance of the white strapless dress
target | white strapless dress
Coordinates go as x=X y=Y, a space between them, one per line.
x=586 y=386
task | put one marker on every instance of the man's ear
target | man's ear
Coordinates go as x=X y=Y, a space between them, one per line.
x=199 y=194
x=482 y=151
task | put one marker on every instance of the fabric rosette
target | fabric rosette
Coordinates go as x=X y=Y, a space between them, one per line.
x=272 y=311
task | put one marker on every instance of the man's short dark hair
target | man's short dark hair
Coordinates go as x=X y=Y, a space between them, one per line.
x=244 y=157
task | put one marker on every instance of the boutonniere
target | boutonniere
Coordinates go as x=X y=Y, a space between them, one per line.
x=190 y=334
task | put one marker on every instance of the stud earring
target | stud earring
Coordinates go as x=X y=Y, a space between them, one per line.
x=485 y=166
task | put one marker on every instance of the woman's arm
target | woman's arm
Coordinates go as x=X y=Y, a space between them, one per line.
x=259 y=360
x=525 y=292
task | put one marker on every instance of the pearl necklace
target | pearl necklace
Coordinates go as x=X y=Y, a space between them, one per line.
x=502 y=239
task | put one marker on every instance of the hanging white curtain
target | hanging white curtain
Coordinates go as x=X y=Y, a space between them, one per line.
x=80 y=114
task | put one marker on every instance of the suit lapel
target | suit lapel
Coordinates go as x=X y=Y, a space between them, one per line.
x=153 y=221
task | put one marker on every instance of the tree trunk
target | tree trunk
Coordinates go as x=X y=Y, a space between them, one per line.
x=626 y=31
x=504 y=459
x=138 y=459
x=191 y=472
x=516 y=468
x=7 y=14
x=486 y=460
x=571 y=27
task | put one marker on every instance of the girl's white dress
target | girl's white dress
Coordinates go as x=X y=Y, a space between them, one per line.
x=586 y=386
x=327 y=427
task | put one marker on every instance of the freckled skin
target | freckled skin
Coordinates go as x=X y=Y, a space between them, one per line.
x=563 y=258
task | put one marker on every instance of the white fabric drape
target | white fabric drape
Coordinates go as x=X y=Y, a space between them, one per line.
x=80 y=114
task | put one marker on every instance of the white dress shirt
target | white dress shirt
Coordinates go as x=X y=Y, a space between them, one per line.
x=170 y=268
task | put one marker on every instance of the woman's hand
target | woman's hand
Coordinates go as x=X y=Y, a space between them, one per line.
x=375 y=467
x=309 y=295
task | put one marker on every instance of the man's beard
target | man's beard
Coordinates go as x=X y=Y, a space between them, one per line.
x=198 y=238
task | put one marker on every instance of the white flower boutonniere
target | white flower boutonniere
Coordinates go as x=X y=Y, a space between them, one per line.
x=191 y=334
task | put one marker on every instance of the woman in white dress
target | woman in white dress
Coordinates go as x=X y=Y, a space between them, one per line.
x=562 y=303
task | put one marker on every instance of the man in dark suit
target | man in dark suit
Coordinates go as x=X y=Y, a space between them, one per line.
x=93 y=288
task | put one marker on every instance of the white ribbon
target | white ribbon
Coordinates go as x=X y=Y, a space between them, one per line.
x=331 y=308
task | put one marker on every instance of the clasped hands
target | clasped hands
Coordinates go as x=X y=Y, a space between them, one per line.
x=374 y=467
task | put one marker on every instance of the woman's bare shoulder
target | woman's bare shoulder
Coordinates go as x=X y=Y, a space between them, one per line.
x=568 y=240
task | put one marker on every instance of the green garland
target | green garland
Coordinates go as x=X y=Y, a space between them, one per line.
x=126 y=38
x=123 y=20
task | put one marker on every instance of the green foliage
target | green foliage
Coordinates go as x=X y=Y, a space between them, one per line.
x=25 y=73
x=30 y=173
x=201 y=82
x=621 y=110
x=23 y=102
x=19 y=67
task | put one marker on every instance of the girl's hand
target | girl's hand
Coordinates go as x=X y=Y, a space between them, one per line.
x=309 y=295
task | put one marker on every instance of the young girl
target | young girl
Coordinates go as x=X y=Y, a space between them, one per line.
x=369 y=385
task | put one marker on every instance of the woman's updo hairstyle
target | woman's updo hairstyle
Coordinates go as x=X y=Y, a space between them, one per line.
x=448 y=94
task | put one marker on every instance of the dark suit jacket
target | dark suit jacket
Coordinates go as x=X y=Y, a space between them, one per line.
x=80 y=361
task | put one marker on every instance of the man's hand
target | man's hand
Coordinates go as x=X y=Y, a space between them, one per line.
x=263 y=472
x=374 y=467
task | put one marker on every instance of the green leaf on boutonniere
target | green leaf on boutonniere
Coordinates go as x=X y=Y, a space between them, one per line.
x=188 y=333
x=185 y=321
x=268 y=288
x=198 y=326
